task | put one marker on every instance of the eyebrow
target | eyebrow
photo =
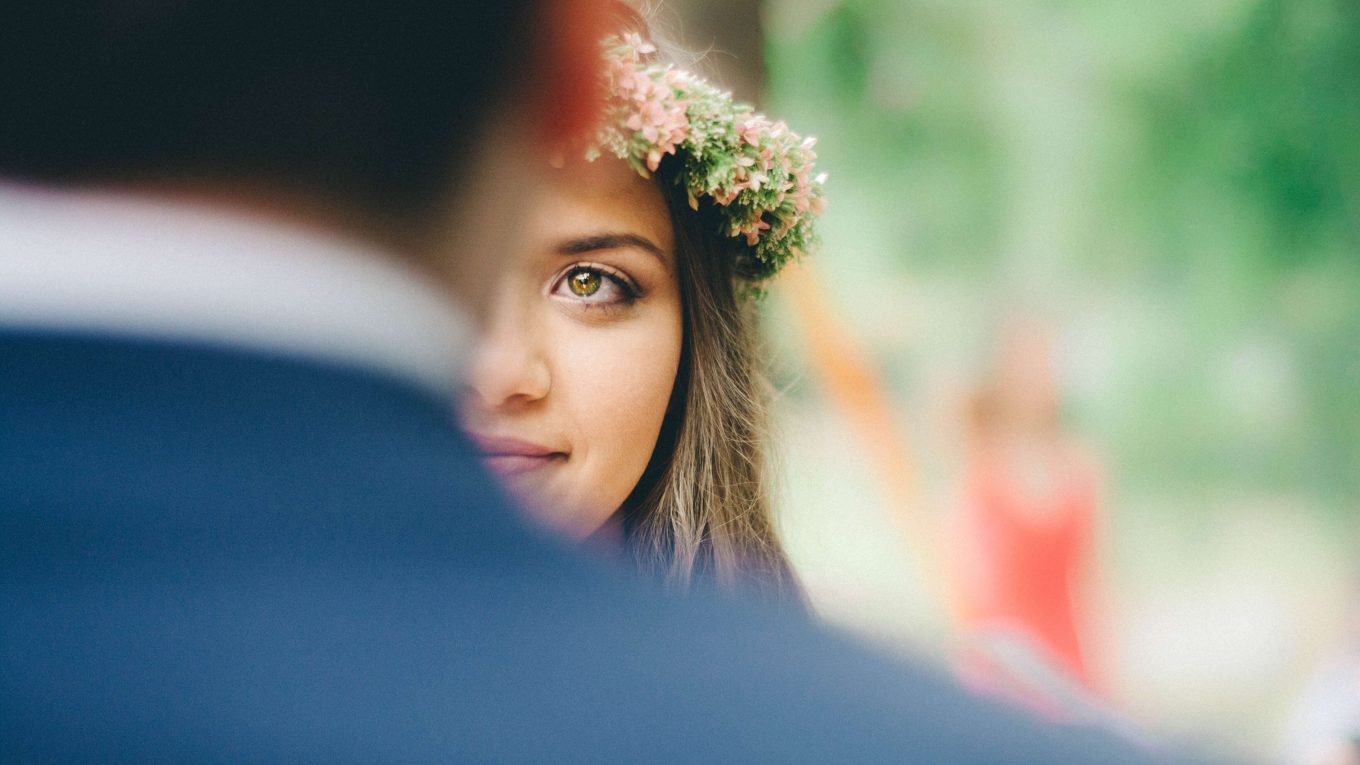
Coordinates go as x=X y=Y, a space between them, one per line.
x=611 y=241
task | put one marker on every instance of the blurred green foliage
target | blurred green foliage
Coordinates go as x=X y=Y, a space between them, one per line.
x=1176 y=184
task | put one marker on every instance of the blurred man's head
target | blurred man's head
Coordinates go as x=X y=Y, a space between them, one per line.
x=370 y=110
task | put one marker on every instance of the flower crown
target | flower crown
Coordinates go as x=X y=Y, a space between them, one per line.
x=758 y=172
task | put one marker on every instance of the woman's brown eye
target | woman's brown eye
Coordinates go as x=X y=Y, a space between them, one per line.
x=589 y=285
x=584 y=283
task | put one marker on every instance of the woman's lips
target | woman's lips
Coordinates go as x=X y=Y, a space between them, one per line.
x=511 y=456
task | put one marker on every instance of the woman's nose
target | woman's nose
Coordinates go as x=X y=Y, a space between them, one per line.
x=508 y=368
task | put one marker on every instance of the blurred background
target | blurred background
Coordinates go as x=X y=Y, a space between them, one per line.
x=1118 y=243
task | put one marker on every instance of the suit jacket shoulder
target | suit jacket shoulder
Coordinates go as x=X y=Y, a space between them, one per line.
x=209 y=555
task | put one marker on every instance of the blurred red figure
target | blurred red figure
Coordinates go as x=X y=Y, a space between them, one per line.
x=1024 y=557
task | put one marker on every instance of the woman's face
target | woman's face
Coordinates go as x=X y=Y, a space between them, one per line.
x=570 y=381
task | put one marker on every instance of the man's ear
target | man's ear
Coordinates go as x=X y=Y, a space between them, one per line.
x=566 y=89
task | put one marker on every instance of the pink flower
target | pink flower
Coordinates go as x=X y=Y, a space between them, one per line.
x=750 y=130
x=753 y=232
x=649 y=117
x=639 y=46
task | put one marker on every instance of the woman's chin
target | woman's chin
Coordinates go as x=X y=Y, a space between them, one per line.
x=607 y=537
x=567 y=519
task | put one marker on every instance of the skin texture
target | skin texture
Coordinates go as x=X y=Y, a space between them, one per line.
x=568 y=387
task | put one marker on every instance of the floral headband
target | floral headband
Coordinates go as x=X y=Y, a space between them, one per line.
x=758 y=172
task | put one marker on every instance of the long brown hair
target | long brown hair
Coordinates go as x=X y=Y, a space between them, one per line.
x=702 y=508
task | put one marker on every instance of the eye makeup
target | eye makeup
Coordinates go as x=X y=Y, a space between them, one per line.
x=595 y=285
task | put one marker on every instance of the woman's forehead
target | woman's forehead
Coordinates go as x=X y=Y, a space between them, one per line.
x=606 y=195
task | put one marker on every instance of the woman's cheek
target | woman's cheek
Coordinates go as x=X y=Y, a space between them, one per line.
x=624 y=374
x=618 y=381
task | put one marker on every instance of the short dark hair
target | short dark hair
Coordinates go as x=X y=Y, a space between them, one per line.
x=367 y=101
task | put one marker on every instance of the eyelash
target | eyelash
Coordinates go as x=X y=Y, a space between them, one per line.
x=611 y=276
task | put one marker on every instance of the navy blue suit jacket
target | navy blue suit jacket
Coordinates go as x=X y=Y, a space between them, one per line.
x=210 y=555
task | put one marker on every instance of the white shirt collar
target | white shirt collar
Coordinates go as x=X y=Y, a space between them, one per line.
x=122 y=265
